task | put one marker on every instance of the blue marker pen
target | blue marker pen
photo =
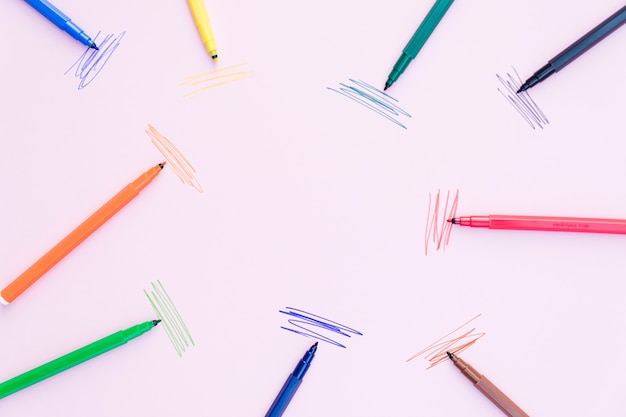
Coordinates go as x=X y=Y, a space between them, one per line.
x=291 y=384
x=62 y=21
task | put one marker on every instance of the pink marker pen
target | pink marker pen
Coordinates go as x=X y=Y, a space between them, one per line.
x=553 y=224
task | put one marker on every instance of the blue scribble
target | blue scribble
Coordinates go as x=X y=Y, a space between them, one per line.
x=92 y=61
x=522 y=102
x=307 y=319
x=374 y=99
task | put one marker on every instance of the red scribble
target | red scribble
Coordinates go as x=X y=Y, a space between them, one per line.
x=440 y=230
x=435 y=353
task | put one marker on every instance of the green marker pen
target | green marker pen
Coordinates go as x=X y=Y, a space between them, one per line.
x=418 y=40
x=74 y=358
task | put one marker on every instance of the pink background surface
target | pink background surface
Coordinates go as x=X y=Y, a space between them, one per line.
x=314 y=202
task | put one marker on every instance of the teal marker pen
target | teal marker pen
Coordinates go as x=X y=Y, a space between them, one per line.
x=418 y=40
x=74 y=358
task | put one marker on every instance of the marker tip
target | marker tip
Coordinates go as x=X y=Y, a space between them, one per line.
x=450 y=355
x=93 y=45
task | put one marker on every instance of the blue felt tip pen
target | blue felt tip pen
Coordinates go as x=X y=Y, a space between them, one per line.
x=291 y=384
x=62 y=21
x=582 y=45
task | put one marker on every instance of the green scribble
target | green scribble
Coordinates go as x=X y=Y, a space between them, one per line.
x=178 y=316
x=172 y=321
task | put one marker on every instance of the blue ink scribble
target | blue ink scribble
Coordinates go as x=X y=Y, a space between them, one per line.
x=374 y=99
x=522 y=102
x=302 y=318
x=92 y=61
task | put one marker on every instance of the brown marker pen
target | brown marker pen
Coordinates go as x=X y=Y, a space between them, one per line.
x=485 y=386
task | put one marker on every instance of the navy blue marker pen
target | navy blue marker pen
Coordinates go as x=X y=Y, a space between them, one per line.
x=291 y=384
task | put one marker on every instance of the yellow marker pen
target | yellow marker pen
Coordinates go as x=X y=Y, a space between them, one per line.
x=203 y=24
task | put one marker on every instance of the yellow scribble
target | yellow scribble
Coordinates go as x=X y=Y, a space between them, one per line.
x=178 y=163
x=215 y=78
x=171 y=319
x=435 y=353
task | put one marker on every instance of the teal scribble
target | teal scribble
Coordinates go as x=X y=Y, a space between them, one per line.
x=374 y=99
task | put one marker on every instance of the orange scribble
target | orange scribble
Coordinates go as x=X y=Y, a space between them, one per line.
x=435 y=353
x=179 y=164
x=439 y=231
x=215 y=78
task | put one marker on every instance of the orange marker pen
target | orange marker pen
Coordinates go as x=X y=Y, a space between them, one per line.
x=71 y=241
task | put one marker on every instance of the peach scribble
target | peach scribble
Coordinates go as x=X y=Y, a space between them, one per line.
x=435 y=353
x=179 y=164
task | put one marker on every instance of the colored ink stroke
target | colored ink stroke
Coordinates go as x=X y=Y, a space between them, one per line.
x=211 y=79
x=438 y=228
x=521 y=102
x=92 y=61
x=170 y=318
x=454 y=342
x=307 y=321
x=177 y=161
x=374 y=99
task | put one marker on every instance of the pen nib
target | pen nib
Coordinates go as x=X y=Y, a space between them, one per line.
x=93 y=45
x=155 y=322
x=450 y=355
